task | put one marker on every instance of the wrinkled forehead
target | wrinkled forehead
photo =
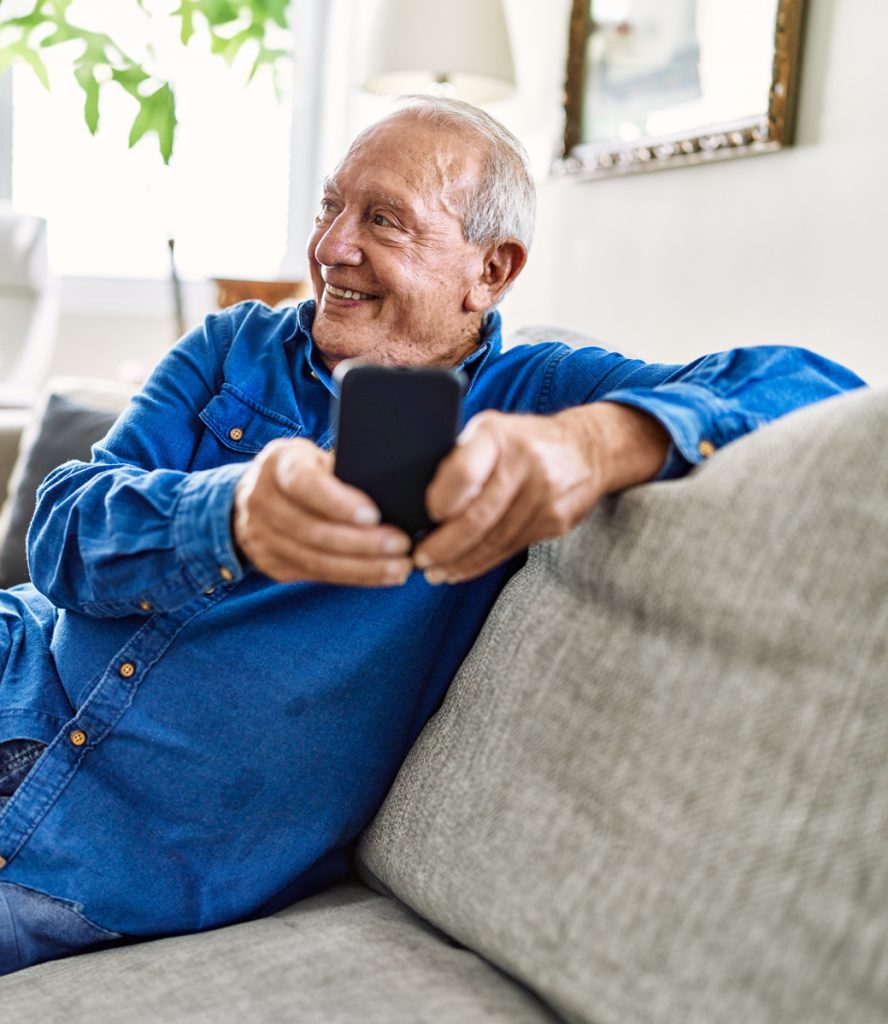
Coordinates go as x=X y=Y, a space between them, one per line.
x=411 y=159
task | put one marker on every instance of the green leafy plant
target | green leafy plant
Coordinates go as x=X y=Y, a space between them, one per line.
x=100 y=62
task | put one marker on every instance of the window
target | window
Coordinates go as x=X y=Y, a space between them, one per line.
x=111 y=209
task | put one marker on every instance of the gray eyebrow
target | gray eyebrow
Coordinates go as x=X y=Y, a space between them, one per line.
x=390 y=200
x=329 y=185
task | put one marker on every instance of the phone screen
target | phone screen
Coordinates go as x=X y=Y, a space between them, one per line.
x=393 y=427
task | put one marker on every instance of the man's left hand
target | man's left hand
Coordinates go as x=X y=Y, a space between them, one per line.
x=513 y=480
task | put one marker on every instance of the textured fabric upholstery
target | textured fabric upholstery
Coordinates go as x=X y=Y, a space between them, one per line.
x=65 y=430
x=72 y=415
x=658 y=789
x=346 y=957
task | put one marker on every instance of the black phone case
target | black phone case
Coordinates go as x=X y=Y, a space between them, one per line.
x=393 y=426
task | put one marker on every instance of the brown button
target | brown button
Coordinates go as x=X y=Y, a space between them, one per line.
x=2 y=863
x=78 y=737
x=146 y=606
x=314 y=375
x=226 y=573
x=706 y=448
x=127 y=670
x=212 y=590
x=235 y=433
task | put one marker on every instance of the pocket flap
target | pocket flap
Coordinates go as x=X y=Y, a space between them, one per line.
x=244 y=425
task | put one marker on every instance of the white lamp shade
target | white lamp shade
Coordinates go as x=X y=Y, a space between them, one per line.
x=419 y=44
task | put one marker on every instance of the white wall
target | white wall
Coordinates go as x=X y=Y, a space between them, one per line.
x=124 y=330
x=784 y=248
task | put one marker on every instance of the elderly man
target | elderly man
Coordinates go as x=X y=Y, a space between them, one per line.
x=225 y=655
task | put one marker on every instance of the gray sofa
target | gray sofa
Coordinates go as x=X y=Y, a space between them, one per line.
x=656 y=793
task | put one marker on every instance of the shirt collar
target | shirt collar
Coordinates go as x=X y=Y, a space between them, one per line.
x=489 y=347
x=316 y=366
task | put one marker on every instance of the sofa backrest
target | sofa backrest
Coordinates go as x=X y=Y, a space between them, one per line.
x=658 y=788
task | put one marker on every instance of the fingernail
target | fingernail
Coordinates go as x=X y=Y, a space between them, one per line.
x=422 y=560
x=467 y=433
x=399 y=576
x=366 y=516
x=393 y=545
x=435 y=576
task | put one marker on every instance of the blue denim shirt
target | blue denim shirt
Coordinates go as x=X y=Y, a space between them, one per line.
x=216 y=739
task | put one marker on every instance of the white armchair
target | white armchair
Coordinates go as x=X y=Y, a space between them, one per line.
x=28 y=308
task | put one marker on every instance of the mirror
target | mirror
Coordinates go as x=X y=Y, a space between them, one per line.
x=665 y=83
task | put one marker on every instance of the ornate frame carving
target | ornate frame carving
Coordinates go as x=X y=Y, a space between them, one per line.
x=765 y=134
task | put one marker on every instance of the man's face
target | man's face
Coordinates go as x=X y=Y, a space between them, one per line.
x=391 y=270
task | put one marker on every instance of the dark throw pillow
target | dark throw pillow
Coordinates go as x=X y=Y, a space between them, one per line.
x=67 y=430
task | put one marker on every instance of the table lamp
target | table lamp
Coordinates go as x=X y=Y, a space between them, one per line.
x=457 y=48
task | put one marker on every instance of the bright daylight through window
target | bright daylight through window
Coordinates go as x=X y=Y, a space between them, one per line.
x=111 y=209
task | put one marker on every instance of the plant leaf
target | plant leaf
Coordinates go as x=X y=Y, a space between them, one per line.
x=218 y=12
x=241 y=21
x=61 y=34
x=229 y=46
x=36 y=17
x=21 y=51
x=217 y=42
x=33 y=58
x=186 y=11
x=157 y=113
x=86 y=77
x=277 y=11
x=266 y=56
x=130 y=78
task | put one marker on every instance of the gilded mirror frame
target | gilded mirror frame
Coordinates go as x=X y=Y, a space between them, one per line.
x=766 y=133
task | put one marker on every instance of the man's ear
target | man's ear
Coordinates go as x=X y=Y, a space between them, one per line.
x=503 y=262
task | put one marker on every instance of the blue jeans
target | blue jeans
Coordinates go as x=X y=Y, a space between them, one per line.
x=34 y=926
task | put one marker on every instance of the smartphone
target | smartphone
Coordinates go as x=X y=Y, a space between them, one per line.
x=393 y=426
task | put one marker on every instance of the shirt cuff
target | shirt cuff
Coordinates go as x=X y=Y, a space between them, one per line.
x=697 y=421
x=202 y=527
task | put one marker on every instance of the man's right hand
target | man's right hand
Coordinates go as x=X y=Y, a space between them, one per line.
x=294 y=520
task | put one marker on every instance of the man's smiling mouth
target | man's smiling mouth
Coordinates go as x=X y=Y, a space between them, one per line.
x=347 y=293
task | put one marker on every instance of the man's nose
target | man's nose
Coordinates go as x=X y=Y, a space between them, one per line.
x=338 y=245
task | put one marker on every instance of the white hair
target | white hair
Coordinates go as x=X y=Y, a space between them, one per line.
x=503 y=203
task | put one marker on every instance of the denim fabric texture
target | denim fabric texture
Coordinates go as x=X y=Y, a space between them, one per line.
x=35 y=927
x=216 y=741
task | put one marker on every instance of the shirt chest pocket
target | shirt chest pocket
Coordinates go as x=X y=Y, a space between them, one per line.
x=238 y=427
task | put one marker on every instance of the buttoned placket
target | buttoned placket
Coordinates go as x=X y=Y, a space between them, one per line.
x=110 y=698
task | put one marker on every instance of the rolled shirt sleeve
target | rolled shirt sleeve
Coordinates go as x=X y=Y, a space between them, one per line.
x=711 y=401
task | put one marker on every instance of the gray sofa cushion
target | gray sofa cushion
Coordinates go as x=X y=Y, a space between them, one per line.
x=348 y=956
x=658 y=789
x=67 y=430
